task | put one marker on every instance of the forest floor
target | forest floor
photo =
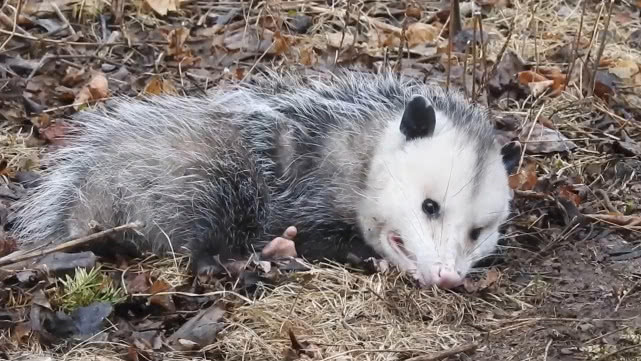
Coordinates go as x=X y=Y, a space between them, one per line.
x=563 y=77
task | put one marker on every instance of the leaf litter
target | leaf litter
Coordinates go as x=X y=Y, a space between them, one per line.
x=565 y=283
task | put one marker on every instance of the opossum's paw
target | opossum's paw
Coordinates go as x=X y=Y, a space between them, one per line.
x=281 y=247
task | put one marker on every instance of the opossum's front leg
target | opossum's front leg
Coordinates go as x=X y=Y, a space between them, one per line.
x=205 y=265
x=281 y=246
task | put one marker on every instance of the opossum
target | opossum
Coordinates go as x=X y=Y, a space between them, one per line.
x=361 y=164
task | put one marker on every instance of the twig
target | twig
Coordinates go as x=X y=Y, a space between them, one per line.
x=626 y=221
x=64 y=19
x=15 y=258
x=450 y=39
x=469 y=348
x=474 y=61
x=467 y=54
x=634 y=286
x=401 y=46
x=346 y=21
x=377 y=23
x=455 y=19
x=597 y=60
x=499 y=58
x=18 y=9
x=593 y=36
x=575 y=51
x=484 y=58
x=613 y=353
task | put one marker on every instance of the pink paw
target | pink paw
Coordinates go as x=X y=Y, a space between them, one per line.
x=281 y=247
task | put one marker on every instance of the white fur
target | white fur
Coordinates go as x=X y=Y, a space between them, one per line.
x=403 y=174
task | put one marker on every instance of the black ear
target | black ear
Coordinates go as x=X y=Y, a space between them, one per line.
x=511 y=153
x=419 y=119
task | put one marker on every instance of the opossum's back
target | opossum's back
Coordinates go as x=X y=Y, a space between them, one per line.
x=153 y=161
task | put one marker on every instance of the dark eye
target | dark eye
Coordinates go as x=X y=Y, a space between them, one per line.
x=475 y=233
x=430 y=207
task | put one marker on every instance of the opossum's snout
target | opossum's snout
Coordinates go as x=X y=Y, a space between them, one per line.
x=438 y=274
x=443 y=276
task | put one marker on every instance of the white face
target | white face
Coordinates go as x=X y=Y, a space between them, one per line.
x=424 y=211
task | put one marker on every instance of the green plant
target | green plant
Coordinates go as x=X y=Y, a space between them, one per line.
x=85 y=288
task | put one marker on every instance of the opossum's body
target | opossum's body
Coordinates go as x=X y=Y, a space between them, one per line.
x=358 y=164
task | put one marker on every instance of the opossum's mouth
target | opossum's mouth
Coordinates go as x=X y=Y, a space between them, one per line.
x=397 y=243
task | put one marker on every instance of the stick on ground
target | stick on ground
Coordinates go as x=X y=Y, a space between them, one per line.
x=19 y=257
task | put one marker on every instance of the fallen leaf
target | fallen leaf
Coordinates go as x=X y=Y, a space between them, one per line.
x=158 y=85
x=634 y=39
x=97 y=88
x=139 y=284
x=567 y=192
x=604 y=84
x=466 y=38
x=414 y=12
x=544 y=140
x=88 y=320
x=162 y=7
x=628 y=147
x=555 y=74
x=300 y=23
x=419 y=33
x=526 y=77
x=280 y=45
x=308 y=56
x=491 y=277
x=334 y=39
x=539 y=87
x=525 y=179
x=505 y=79
x=176 y=42
x=54 y=133
x=624 y=69
x=59 y=263
x=7 y=246
x=199 y=331
x=73 y=76
x=164 y=301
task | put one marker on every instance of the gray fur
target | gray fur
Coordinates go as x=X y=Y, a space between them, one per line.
x=224 y=173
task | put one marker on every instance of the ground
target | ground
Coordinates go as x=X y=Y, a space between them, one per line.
x=565 y=285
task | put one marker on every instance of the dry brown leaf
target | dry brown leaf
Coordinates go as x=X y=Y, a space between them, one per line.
x=73 y=76
x=7 y=245
x=491 y=277
x=525 y=179
x=539 y=87
x=96 y=89
x=419 y=33
x=308 y=56
x=98 y=86
x=162 y=7
x=568 y=193
x=176 y=42
x=624 y=69
x=334 y=39
x=139 y=284
x=414 y=12
x=157 y=85
x=54 y=133
x=280 y=45
x=528 y=76
x=164 y=301
x=554 y=73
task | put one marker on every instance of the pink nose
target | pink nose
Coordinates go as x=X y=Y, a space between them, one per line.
x=445 y=277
